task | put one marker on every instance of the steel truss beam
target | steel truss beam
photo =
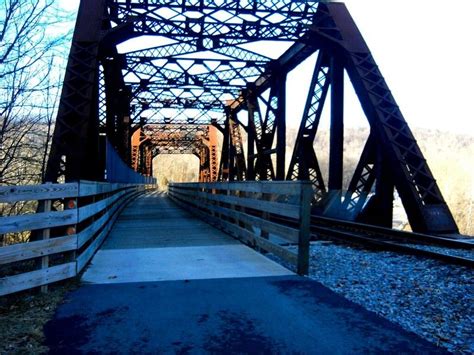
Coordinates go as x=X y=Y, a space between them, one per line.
x=398 y=161
x=173 y=95
x=196 y=28
x=232 y=164
x=180 y=80
x=304 y=163
x=261 y=131
x=234 y=21
x=75 y=145
x=173 y=138
x=117 y=106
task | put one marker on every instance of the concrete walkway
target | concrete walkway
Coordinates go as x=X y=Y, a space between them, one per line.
x=165 y=282
x=154 y=240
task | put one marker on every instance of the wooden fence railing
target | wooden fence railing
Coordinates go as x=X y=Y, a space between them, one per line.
x=70 y=223
x=253 y=212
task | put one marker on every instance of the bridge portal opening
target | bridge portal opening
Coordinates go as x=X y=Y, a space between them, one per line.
x=175 y=168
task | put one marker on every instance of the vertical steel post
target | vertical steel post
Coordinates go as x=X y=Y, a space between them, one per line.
x=232 y=155
x=281 y=129
x=384 y=187
x=226 y=163
x=251 y=107
x=237 y=168
x=336 y=145
x=135 y=144
x=213 y=159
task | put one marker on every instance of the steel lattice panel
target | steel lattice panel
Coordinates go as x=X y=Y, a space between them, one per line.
x=203 y=60
x=200 y=63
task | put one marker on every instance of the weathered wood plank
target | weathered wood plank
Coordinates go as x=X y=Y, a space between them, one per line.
x=85 y=235
x=36 y=278
x=94 y=208
x=273 y=248
x=255 y=240
x=10 y=194
x=282 y=209
x=279 y=208
x=24 y=251
x=48 y=219
x=45 y=207
x=288 y=233
x=86 y=255
x=191 y=196
x=35 y=221
x=183 y=191
x=89 y=188
x=247 y=236
x=268 y=187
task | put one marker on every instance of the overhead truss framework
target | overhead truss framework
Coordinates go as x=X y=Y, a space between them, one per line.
x=203 y=65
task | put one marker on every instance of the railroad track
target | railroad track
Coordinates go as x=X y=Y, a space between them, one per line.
x=430 y=246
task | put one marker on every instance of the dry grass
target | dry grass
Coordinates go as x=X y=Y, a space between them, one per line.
x=23 y=316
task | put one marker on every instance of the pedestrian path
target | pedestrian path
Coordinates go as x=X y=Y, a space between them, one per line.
x=166 y=282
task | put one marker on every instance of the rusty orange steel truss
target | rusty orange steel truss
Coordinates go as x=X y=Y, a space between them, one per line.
x=153 y=139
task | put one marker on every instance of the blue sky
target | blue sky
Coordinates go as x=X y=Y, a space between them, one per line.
x=426 y=54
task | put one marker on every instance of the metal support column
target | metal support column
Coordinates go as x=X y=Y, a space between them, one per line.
x=213 y=158
x=384 y=188
x=336 y=144
x=280 y=122
x=252 y=107
x=226 y=163
x=238 y=168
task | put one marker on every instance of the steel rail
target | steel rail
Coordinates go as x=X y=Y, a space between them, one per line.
x=407 y=237
x=388 y=239
x=376 y=242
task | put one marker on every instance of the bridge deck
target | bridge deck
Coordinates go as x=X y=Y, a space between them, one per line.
x=165 y=282
x=153 y=240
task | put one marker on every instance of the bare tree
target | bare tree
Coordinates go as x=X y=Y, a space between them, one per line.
x=32 y=48
x=34 y=36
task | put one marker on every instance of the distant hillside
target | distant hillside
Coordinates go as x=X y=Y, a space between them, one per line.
x=449 y=155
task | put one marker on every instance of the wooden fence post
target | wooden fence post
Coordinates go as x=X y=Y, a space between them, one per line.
x=45 y=207
x=70 y=204
x=265 y=215
x=304 y=227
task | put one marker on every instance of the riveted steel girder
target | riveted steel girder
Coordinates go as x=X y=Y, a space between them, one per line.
x=191 y=83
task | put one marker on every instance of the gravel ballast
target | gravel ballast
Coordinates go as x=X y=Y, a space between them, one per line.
x=427 y=297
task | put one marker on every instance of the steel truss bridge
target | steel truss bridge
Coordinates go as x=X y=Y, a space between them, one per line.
x=202 y=74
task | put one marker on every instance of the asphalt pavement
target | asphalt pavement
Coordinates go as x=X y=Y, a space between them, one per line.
x=258 y=315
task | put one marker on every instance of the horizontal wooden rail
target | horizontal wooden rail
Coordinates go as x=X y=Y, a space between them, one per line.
x=245 y=210
x=39 y=248
x=10 y=194
x=266 y=187
x=70 y=235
